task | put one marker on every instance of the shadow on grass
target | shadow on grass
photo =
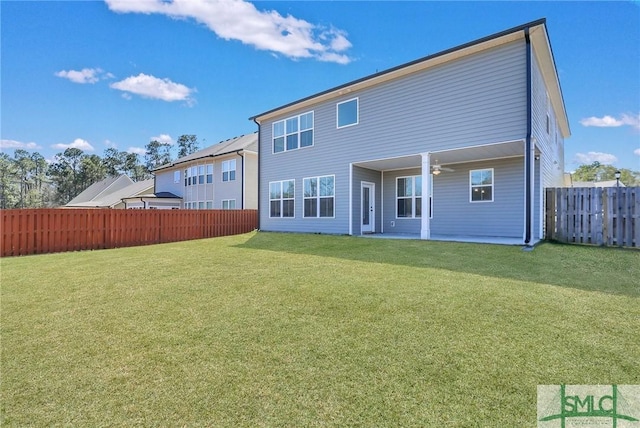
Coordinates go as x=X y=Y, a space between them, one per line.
x=606 y=270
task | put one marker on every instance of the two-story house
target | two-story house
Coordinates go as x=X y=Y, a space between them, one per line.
x=221 y=176
x=457 y=145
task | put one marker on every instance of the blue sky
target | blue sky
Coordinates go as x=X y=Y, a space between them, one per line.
x=118 y=73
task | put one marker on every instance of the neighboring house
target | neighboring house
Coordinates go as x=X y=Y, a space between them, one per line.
x=154 y=201
x=607 y=183
x=469 y=136
x=110 y=192
x=222 y=176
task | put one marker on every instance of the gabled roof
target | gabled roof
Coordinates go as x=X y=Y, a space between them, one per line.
x=247 y=142
x=541 y=47
x=113 y=195
x=106 y=186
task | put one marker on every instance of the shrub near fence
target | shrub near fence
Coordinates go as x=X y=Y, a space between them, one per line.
x=37 y=231
x=597 y=216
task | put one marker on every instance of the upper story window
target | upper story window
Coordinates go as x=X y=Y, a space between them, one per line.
x=347 y=113
x=209 y=173
x=229 y=170
x=293 y=133
x=481 y=185
x=176 y=176
x=201 y=174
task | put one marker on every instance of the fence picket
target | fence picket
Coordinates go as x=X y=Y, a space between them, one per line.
x=596 y=216
x=33 y=231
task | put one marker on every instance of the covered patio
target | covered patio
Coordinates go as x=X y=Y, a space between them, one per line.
x=428 y=166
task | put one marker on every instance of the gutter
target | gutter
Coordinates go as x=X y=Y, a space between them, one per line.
x=259 y=165
x=528 y=195
x=195 y=159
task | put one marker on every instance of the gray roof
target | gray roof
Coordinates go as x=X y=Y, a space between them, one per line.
x=247 y=142
x=112 y=196
x=105 y=186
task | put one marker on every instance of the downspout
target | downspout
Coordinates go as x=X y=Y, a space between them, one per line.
x=243 y=181
x=259 y=164
x=527 y=150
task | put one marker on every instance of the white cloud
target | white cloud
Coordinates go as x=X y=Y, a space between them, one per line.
x=13 y=144
x=611 y=122
x=591 y=157
x=163 y=138
x=152 y=87
x=240 y=20
x=110 y=144
x=86 y=75
x=137 y=150
x=78 y=143
x=636 y=152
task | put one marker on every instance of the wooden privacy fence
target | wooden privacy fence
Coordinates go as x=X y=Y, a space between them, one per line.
x=597 y=216
x=36 y=231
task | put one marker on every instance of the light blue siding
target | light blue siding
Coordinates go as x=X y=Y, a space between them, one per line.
x=454 y=214
x=479 y=99
x=164 y=182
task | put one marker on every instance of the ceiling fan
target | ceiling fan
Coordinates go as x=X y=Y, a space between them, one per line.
x=437 y=169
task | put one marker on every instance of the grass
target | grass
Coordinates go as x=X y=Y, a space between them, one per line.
x=269 y=329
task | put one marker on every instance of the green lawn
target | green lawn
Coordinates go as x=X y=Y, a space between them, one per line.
x=295 y=330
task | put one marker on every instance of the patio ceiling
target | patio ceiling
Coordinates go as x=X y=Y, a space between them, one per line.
x=448 y=157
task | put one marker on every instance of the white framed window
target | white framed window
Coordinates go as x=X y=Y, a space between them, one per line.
x=282 y=198
x=228 y=204
x=209 y=173
x=176 y=176
x=319 y=196
x=201 y=174
x=229 y=170
x=186 y=175
x=201 y=205
x=209 y=205
x=409 y=197
x=347 y=113
x=481 y=185
x=293 y=133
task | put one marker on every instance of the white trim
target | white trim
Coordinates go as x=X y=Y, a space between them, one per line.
x=381 y=201
x=542 y=202
x=471 y=186
x=350 y=198
x=425 y=221
x=357 y=113
x=372 y=202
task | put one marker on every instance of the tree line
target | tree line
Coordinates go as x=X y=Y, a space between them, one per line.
x=27 y=180
x=600 y=172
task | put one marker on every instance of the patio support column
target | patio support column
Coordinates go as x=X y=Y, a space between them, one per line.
x=425 y=229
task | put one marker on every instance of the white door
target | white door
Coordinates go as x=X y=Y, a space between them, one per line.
x=368 y=213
